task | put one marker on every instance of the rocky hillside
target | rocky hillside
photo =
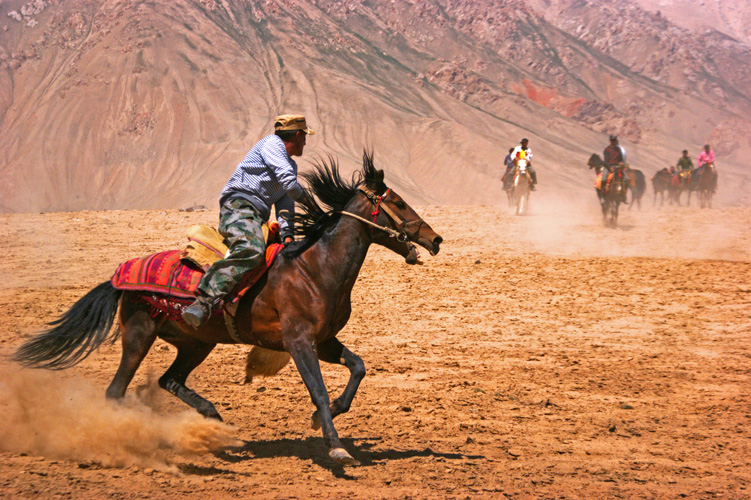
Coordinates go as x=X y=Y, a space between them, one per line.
x=132 y=104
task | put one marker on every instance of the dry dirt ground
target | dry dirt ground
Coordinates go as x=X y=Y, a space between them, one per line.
x=535 y=357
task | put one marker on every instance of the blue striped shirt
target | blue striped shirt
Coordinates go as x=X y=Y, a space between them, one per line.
x=267 y=176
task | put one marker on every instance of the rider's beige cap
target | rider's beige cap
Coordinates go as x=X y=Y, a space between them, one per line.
x=292 y=122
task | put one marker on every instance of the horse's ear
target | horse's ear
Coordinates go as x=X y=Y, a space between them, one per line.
x=379 y=177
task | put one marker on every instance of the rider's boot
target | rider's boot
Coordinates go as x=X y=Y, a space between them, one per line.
x=198 y=313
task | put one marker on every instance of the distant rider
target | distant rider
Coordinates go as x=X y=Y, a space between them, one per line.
x=685 y=166
x=614 y=156
x=515 y=155
x=706 y=157
x=509 y=163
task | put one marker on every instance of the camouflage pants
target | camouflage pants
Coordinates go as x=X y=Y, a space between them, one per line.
x=240 y=224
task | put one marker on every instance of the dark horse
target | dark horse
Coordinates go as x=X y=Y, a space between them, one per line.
x=637 y=185
x=662 y=184
x=611 y=198
x=704 y=182
x=298 y=307
x=614 y=196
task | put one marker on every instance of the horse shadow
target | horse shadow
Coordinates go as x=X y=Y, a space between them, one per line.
x=314 y=449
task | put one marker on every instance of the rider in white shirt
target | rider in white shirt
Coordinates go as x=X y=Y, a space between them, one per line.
x=515 y=154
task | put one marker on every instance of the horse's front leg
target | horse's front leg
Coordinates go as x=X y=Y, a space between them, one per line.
x=333 y=351
x=303 y=352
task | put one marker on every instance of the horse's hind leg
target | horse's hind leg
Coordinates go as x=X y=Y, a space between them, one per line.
x=333 y=351
x=190 y=354
x=138 y=334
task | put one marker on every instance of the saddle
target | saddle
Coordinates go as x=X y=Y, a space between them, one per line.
x=173 y=276
x=598 y=181
x=599 y=184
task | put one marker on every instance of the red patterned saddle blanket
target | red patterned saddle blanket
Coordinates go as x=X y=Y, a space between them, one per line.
x=166 y=274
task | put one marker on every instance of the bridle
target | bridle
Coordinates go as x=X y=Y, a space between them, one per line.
x=401 y=225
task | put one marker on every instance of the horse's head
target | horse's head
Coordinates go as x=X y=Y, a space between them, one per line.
x=522 y=164
x=596 y=163
x=400 y=226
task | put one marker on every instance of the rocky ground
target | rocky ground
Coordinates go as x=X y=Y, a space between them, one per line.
x=535 y=357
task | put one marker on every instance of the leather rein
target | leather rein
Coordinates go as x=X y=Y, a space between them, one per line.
x=401 y=233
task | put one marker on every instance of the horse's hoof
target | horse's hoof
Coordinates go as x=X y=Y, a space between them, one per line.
x=340 y=455
x=315 y=421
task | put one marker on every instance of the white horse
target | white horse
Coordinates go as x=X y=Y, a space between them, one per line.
x=522 y=180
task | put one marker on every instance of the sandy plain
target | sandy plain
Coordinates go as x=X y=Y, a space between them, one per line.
x=543 y=356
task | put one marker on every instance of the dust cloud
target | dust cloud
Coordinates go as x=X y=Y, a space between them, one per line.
x=69 y=418
x=564 y=226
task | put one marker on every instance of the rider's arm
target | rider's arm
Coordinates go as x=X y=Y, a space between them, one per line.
x=284 y=208
x=276 y=157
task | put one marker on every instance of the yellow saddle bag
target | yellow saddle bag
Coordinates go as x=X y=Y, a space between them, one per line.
x=206 y=245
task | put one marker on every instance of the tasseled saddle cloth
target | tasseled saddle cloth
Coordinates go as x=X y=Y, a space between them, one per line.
x=173 y=276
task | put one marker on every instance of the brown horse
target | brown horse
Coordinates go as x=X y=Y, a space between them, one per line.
x=614 y=194
x=611 y=196
x=705 y=181
x=661 y=184
x=297 y=307
x=637 y=185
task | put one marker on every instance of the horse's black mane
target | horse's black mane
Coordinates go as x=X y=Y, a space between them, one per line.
x=325 y=182
x=595 y=160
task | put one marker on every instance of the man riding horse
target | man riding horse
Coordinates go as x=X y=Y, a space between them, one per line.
x=516 y=154
x=614 y=157
x=706 y=160
x=685 y=167
x=267 y=176
x=507 y=178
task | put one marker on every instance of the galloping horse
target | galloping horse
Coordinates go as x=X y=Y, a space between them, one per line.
x=614 y=195
x=508 y=186
x=296 y=309
x=637 y=185
x=522 y=180
x=705 y=181
x=611 y=198
x=661 y=184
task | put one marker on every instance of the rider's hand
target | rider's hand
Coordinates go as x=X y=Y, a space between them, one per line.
x=288 y=240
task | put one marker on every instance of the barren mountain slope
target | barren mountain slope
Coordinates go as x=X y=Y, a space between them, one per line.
x=121 y=104
x=731 y=17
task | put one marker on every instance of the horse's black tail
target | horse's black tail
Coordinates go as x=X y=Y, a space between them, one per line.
x=75 y=334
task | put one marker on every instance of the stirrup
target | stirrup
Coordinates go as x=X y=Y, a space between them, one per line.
x=196 y=314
